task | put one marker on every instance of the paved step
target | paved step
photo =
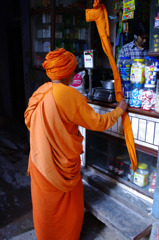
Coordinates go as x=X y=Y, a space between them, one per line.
x=115 y=212
x=113 y=189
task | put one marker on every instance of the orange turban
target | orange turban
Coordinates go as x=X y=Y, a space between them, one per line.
x=59 y=64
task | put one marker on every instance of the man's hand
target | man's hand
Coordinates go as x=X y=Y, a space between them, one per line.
x=123 y=105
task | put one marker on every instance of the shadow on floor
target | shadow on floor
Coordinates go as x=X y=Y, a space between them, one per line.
x=15 y=198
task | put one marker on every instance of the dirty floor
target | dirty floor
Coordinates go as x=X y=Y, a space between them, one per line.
x=15 y=198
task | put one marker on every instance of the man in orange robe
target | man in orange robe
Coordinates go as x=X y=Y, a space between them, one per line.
x=54 y=113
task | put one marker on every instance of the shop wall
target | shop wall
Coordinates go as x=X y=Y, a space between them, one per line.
x=32 y=78
x=5 y=93
x=12 y=94
x=17 y=80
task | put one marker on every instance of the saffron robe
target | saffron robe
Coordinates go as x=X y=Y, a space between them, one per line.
x=53 y=115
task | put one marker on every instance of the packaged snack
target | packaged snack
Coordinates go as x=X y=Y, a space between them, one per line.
x=149 y=97
x=152 y=182
x=79 y=82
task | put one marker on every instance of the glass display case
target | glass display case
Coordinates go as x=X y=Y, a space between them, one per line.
x=41 y=37
x=107 y=152
x=56 y=24
x=111 y=156
x=71 y=33
x=154 y=27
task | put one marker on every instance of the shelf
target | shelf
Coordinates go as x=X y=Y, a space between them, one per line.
x=130 y=109
x=39 y=10
x=69 y=10
x=58 y=22
x=141 y=190
x=43 y=38
x=41 y=52
x=153 y=54
x=71 y=39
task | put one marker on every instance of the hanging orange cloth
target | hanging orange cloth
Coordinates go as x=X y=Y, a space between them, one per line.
x=100 y=16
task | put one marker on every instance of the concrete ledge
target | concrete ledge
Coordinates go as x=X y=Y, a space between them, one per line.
x=112 y=207
x=126 y=223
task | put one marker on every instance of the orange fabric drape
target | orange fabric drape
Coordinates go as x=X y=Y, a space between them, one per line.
x=100 y=16
x=54 y=151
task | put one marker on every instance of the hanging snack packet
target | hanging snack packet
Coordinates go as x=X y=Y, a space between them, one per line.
x=79 y=82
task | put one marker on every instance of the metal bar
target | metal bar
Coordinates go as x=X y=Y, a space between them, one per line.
x=90 y=94
x=155 y=208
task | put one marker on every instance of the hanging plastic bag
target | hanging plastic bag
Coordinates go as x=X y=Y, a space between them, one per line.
x=79 y=82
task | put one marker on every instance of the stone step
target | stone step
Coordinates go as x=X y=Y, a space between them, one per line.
x=115 y=214
x=113 y=189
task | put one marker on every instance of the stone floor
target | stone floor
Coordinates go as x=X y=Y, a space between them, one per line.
x=15 y=201
x=15 y=198
x=23 y=229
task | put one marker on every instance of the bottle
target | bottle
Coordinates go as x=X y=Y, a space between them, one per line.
x=111 y=164
x=126 y=88
x=121 y=169
x=130 y=174
x=156 y=47
x=136 y=95
x=141 y=175
x=157 y=93
x=157 y=20
x=149 y=97
x=150 y=73
x=156 y=43
x=124 y=69
x=137 y=74
x=116 y=168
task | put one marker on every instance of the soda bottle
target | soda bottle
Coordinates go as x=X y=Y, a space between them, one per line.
x=130 y=174
x=111 y=164
x=121 y=169
x=116 y=168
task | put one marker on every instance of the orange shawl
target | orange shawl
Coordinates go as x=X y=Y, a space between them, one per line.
x=100 y=16
x=54 y=151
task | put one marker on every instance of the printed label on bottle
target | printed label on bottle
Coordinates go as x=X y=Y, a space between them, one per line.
x=125 y=72
x=140 y=180
x=137 y=75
